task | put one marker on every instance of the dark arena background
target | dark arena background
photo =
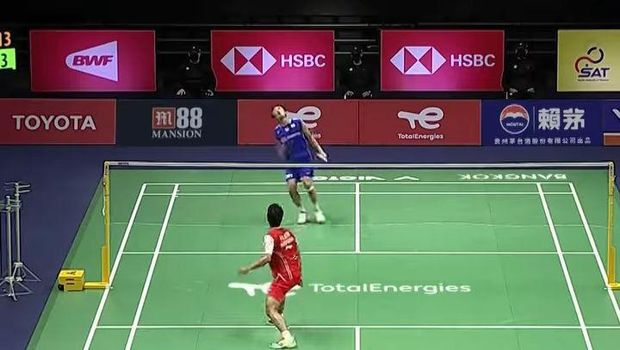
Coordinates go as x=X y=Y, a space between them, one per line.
x=470 y=191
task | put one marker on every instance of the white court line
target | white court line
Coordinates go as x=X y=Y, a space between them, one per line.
x=599 y=261
x=350 y=193
x=366 y=224
x=117 y=261
x=569 y=282
x=149 y=275
x=358 y=218
x=200 y=326
x=365 y=182
x=358 y=338
x=361 y=253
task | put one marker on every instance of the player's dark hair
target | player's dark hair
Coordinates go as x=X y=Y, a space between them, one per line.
x=278 y=105
x=274 y=215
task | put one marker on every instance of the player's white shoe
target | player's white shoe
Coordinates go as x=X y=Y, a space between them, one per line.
x=284 y=344
x=302 y=218
x=320 y=217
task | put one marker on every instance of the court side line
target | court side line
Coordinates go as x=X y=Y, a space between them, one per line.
x=358 y=218
x=358 y=338
x=199 y=326
x=434 y=193
x=569 y=282
x=117 y=261
x=599 y=261
x=353 y=182
x=358 y=253
x=149 y=275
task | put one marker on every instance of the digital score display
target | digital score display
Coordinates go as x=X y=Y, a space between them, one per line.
x=8 y=58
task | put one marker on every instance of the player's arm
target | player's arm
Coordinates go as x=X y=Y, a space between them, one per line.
x=264 y=260
x=314 y=143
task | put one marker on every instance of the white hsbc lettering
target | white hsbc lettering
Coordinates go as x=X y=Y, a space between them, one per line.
x=472 y=60
x=54 y=122
x=302 y=61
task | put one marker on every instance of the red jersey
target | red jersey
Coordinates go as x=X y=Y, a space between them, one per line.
x=285 y=259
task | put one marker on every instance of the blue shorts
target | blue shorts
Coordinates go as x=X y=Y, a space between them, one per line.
x=299 y=173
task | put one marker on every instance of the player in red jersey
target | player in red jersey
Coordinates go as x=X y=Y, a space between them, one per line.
x=282 y=255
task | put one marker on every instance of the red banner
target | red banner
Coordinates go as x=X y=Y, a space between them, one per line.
x=39 y=121
x=332 y=122
x=411 y=122
x=273 y=60
x=442 y=60
x=92 y=60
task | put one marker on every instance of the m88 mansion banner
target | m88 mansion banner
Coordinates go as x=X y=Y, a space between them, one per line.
x=331 y=122
x=273 y=60
x=588 y=60
x=58 y=121
x=442 y=60
x=92 y=60
x=180 y=122
x=542 y=122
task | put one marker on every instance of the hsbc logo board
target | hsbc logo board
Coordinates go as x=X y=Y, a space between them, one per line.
x=57 y=121
x=428 y=60
x=405 y=122
x=276 y=60
x=97 y=60
x=331 y=122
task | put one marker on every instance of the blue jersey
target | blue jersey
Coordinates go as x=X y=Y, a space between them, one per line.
x=292 y=137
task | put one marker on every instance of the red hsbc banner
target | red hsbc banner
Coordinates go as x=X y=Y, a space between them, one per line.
x=40 y=121
x=332 y=122
x=419 y=122
x=273 y=60
x=92 y=60
x=442 y=60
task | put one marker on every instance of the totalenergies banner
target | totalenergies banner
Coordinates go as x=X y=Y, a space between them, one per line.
x=273 y=60
x=92 y=60
x=588 y=60
x=442 y=60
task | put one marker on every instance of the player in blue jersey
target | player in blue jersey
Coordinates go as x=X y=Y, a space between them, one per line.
x=295 y=144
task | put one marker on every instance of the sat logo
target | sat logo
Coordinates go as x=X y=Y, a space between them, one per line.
x=588 y=68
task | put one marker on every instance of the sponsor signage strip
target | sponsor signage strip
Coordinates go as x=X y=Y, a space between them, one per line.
x=542 y=122
x=180 y=122
x=57 y=121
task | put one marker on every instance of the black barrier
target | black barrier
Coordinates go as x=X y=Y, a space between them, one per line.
x=183 y=122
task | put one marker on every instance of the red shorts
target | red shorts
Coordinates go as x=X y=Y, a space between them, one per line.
x=279 y=287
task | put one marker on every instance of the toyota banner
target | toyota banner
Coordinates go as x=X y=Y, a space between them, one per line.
x=273 y=60
x=92 y=60
x=331 y=122
x=540 y=123
x=180 y=122
x=442 y=60
x=419 y=122
x=58 y=121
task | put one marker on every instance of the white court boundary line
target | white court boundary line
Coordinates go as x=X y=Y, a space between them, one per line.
x=358 y=218
x=117 y=261
x=361 y=253
x=569 y=282
x=599 y=261
x=149 y=275
x=378 y=182
x=201 y=326
x=395 y=193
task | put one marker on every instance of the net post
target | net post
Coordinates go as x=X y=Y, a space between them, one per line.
x=611 y=249
x=105 y=250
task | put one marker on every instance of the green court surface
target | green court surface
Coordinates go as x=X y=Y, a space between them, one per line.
x=408 y=259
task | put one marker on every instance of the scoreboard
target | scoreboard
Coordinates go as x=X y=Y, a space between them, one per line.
x=8 y=58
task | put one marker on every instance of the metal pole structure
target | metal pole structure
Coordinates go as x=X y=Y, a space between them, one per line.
x=9 y=282
x=21 y=272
